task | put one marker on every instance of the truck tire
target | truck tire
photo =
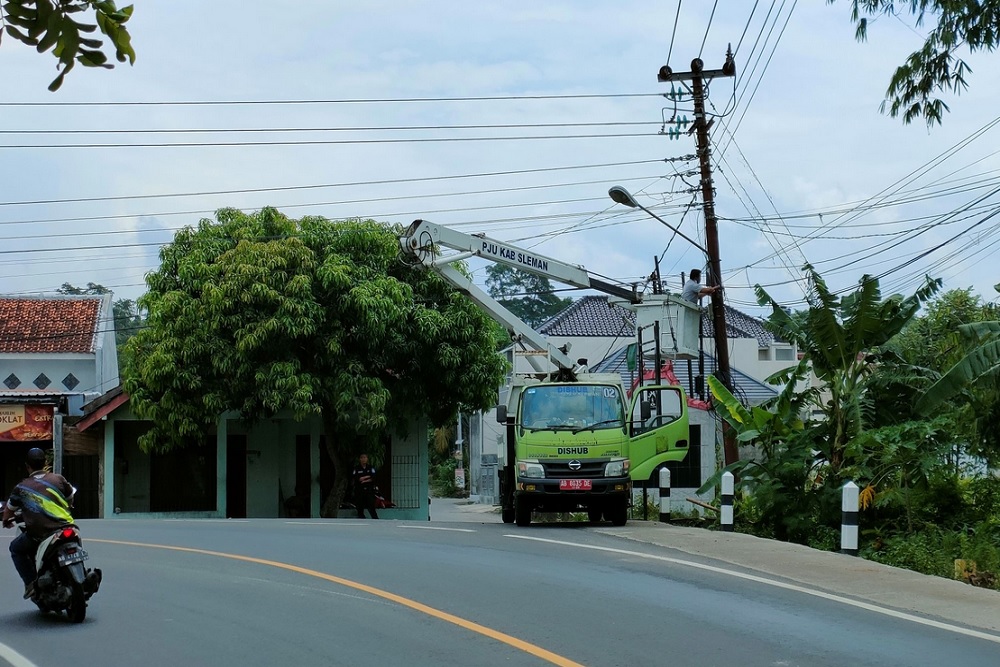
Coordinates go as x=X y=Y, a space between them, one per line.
x=507 y=514
x=618 y=516
x=522 y=513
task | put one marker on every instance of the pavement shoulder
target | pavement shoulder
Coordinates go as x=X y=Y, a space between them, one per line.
x=849 y=576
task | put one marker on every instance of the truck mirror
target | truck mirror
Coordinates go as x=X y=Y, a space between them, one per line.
x=502 y=414
x=645 y=410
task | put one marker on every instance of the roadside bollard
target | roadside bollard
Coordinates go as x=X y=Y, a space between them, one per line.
x=664 y=495
x=726 y=514
x=849 y=520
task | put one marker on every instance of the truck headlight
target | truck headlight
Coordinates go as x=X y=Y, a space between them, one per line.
x=530 y=469
x=617 y=468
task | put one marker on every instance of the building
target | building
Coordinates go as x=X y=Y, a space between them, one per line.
x=275 y=468
x=56 y=353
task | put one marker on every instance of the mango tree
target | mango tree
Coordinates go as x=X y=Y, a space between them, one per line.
x=259 y=314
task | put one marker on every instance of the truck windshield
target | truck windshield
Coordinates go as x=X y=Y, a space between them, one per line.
x=575 y=406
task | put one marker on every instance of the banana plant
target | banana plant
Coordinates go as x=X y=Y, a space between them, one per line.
x=982 y=361
x=837 y=338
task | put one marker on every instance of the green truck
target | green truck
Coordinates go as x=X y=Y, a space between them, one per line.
x=574 y=440
x=578 y=446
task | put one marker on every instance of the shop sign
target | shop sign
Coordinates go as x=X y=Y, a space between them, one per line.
x=25 y=422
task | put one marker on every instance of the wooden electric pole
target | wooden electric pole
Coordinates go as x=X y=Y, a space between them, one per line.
x=698 y=76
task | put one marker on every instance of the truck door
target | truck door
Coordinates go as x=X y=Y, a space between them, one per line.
x=658 y=428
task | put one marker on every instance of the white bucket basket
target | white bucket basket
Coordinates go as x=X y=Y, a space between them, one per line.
x=678 y=325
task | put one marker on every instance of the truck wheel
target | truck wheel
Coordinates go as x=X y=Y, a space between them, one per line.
x=507 y=514
x=594 y=515
x=618 y=516
x=522 y=513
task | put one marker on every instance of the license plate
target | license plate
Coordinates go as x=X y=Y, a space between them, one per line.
x=576 y=485
x=77 y=556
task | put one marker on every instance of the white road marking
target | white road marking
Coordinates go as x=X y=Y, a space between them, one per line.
x=780 y=584
x=208 y=520
x=454 y=530
x=13 y=658
x=328 y=523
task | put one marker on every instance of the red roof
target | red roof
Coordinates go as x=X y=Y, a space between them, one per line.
x=49 y=324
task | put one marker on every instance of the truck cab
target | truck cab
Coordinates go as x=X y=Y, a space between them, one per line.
x=574 y=443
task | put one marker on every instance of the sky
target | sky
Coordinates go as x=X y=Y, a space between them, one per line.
x=364 y=110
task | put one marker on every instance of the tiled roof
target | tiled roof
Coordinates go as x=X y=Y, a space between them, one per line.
x=49 y=324
x=592 y=316
x=747 y=389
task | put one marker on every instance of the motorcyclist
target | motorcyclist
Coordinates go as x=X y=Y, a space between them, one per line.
x=44 y=499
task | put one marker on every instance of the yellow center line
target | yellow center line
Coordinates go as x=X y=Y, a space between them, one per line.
x=519 y=644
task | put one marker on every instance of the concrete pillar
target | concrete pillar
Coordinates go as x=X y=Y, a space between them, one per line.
x=849 y=520
x=664 y=495
x=728 y=487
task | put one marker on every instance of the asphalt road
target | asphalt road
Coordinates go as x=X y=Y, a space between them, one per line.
x=476 y=592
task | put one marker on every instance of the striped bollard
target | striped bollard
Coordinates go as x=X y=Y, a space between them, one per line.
x=664 y=495
x=726 y=515
x=849 y=520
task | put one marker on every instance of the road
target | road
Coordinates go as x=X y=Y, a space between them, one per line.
x=477 y=592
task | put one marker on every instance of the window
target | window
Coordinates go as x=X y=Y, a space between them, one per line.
x=763 y=354
x=784 y=354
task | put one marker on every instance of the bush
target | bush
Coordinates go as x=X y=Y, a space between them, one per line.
x=934 y=551
x=442 y=479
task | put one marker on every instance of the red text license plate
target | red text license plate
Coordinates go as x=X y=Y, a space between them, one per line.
x=575 y=484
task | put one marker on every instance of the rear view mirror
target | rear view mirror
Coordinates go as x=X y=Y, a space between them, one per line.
x=502 y=414
x=645 y=410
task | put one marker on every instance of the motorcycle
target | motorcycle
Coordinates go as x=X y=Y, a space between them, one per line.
x=63 y=582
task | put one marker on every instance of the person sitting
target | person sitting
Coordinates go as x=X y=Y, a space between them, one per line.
x=44 y=499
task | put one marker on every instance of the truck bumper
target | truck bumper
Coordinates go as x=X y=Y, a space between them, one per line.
x=545 y=494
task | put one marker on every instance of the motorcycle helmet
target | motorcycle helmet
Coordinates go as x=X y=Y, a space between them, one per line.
x=35 y=458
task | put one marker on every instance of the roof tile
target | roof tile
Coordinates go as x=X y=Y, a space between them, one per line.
x=594 y=316
x=63 y=324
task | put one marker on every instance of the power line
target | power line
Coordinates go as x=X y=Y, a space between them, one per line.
x=384 y=100
x=385 y=128
x=289 y=188
x=708 y=27
x=329 y=142
x=673 y=33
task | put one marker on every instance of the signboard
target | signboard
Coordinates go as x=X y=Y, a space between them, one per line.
x=25 y=422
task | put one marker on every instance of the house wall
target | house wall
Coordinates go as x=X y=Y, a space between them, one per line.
x=265 y=467
x=270 y=468
x=744 y=354
x=106 y=351
x=56 y=367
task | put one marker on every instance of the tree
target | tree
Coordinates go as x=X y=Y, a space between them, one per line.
x=528 y=296
x=864 y=410
x=259 y=314
x=934 y=67
x=57 y=25
x=935 y=341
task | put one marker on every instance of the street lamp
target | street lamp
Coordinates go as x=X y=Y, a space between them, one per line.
x=622 y=196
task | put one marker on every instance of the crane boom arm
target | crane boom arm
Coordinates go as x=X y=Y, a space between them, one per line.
x=422 y=236
x=496 y=310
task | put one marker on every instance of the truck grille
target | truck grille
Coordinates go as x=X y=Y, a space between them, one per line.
x=561 y=469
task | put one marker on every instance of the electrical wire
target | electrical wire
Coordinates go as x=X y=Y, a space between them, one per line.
x=290 y=188
x=328 y=142
x=383 y=100
x=707 y=28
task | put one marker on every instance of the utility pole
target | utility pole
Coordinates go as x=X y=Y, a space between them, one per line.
x=698 y=76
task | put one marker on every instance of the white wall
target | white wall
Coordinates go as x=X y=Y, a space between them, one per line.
x=106 y=361
x=27 y=367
